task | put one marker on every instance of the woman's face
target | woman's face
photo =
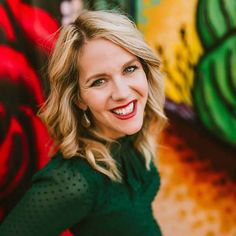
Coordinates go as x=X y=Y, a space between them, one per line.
x=113 y=86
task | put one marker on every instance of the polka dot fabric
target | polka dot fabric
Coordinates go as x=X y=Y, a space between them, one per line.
x=70 y=194
x=59 y=195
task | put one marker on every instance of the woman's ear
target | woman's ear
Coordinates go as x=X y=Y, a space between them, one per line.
x=81 y=104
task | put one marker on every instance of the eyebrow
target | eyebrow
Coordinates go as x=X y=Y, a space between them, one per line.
x=104 y=74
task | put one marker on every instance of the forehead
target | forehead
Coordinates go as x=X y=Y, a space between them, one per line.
x=99 y=55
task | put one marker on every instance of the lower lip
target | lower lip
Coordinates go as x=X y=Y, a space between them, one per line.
x=128 y=116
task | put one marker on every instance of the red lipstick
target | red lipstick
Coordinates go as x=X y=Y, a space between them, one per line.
x=120 y=107
x=128 y=116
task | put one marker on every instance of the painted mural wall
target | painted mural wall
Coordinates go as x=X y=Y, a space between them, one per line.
x=196 y=41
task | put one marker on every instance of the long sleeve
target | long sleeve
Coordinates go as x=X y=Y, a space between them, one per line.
x=61 y=196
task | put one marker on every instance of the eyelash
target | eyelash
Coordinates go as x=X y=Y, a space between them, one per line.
x=126 y=70
x=94 y=83
x=134 y=67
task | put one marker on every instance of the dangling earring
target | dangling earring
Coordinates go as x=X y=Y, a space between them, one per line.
x=85 y=120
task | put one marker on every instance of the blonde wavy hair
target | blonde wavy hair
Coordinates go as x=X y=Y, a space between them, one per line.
x=60 y=112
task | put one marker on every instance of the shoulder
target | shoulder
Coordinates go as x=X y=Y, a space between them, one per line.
x=59 y=164
x=66 y=172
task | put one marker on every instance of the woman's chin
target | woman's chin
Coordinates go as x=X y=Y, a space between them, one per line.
x=133 y=130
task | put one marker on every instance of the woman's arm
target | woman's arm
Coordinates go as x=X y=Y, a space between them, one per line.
x=59 y=198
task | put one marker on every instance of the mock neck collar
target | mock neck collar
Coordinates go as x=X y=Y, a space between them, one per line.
x=127 y=138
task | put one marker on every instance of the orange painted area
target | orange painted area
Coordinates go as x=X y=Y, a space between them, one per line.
x=194 y=199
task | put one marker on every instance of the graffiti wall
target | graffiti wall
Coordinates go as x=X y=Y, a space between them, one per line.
x=197 y=153
x=197 y=45
x=24 y=45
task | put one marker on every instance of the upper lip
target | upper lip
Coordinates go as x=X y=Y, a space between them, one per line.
x=120 y=107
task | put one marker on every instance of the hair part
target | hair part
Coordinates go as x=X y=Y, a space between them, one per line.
x=60 y=112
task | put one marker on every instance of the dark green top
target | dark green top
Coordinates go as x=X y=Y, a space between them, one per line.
x=71 y=194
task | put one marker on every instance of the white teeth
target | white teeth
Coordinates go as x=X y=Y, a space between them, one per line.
x=125 y=111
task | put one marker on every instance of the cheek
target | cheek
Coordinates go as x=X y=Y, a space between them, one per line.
x=143 y=86
x=96 y=101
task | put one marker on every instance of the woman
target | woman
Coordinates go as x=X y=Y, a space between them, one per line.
x=104 y=111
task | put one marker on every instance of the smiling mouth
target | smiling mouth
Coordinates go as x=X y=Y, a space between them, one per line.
x=124 y=111
x=127 y=111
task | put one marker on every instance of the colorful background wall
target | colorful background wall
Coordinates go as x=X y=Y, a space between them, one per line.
x=196 y=41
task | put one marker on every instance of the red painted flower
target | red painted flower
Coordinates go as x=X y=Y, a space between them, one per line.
x=24 y=141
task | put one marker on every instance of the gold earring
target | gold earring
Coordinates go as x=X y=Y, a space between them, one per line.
x=85 y=120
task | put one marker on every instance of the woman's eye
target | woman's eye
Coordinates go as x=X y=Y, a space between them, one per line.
x=130 y=69
x=98 y=82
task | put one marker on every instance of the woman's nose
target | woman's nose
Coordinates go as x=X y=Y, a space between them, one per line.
x=120 y=89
